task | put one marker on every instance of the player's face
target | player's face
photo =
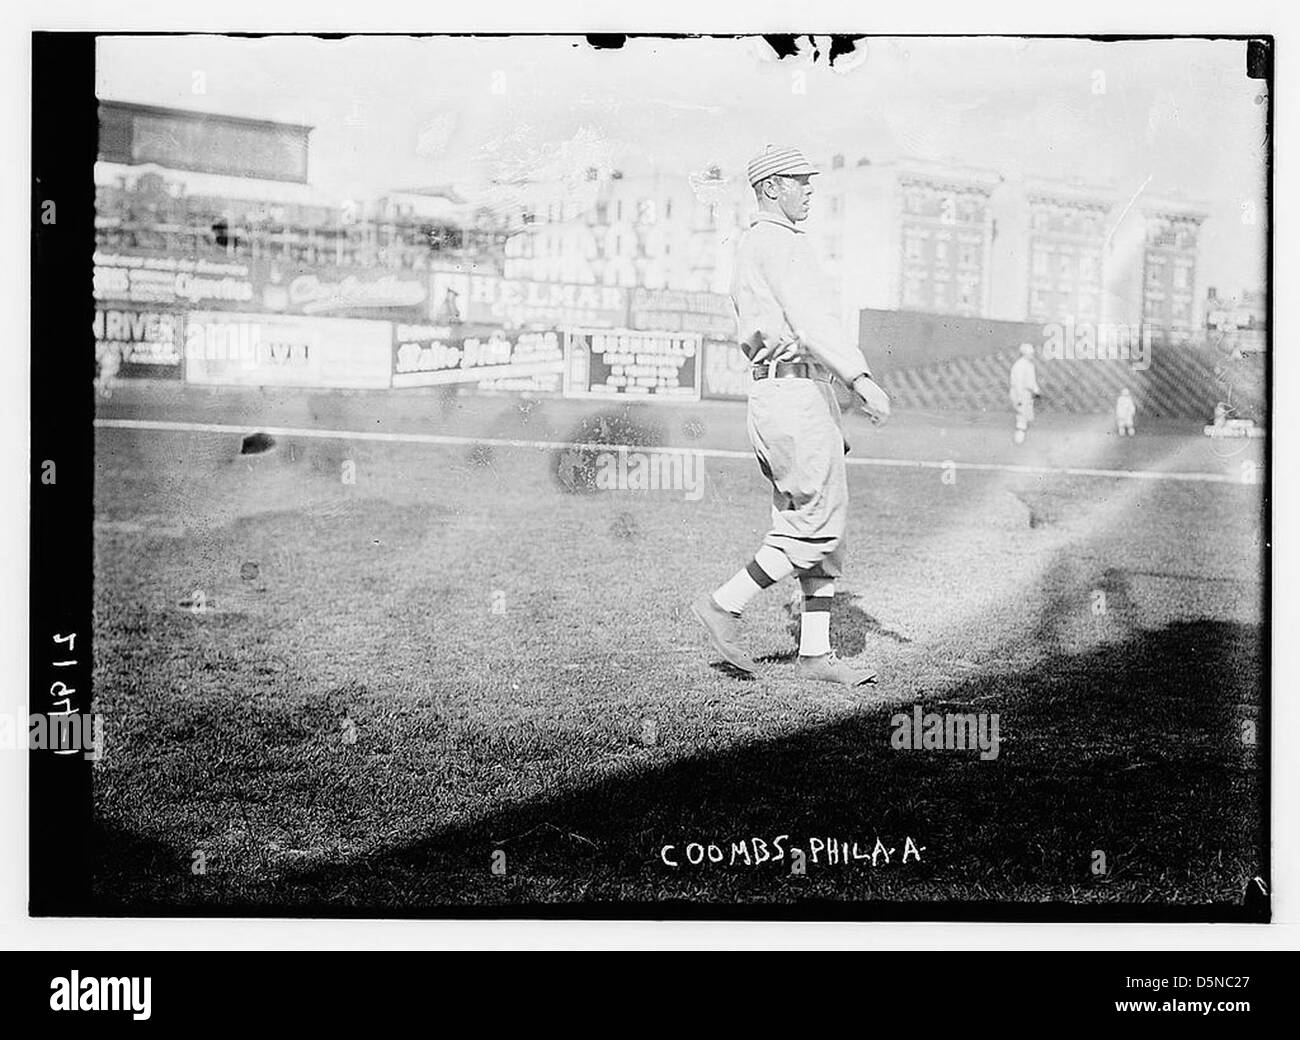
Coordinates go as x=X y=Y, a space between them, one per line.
x=794 y=193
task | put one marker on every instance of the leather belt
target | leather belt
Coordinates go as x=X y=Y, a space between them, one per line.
x=790 y=370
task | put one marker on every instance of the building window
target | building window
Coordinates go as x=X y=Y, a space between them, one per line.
x=1041 y=260
x=837 y=162
x=912 y=292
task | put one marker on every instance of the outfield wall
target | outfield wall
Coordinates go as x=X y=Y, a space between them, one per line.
x=906 y=339
x=270 y=322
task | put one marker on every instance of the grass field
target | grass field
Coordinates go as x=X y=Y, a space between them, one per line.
x=346 y=675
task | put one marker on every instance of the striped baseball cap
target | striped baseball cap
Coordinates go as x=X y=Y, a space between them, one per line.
x=774 y=161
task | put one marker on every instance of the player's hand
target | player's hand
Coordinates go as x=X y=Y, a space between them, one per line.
x=784 y=349
x=875 y=402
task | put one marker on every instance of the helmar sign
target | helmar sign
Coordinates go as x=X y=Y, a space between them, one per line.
x=463 y=297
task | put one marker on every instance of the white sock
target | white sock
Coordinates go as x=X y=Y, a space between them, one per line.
x=768 y=566
x=815 y=621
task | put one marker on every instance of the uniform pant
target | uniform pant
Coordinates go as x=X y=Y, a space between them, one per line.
x=795 y=429
x=1023 y=403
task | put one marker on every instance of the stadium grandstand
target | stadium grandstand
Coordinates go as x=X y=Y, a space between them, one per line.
x=197 y=184
x=1182 y=382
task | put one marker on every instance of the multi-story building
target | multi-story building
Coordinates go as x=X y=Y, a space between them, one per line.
x=1066 y=242
x=662 y=231
x=938 y=238
x=1169 y=300
x=905 y=235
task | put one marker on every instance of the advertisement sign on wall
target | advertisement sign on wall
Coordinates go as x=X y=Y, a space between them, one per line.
x=275 y=286
x=600 y=363
x=726 y=371
x=160 y=279
x=361 y=292
x=144 y=343
x=246 y=349
x=483 y=298
x=431 y=355
x=672 y=310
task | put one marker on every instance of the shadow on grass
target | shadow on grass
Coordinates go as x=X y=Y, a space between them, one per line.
x=1129 y=757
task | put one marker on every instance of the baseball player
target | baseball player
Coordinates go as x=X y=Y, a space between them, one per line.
x=1125 y=411
x=109 y=363
x=1024 y=388
x=788 y=326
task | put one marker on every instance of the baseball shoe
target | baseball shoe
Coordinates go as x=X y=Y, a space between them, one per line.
x=723 y=628
x=829 y=668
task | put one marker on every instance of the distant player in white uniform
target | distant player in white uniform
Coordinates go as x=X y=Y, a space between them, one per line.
x=789 y=328
x=1125 y=412
x=110 y=361
x=1024 y=388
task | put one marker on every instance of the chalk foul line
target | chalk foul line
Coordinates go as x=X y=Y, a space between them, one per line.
x=708 y=453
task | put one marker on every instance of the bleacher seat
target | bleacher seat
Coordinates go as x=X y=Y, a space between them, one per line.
x=1182 y=382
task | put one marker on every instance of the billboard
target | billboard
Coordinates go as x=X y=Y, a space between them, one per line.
x=726 y=371
x=672 y=310
x=360 y=292
x=487 y=299
x=626 y=363
x=432 y=355
x=160 y=279
x=275 y=286
x=246 y=349
x=147 y=343
x=183 y=139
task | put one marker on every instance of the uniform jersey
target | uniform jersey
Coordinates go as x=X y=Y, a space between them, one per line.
x=778 y=288
x=1023 y=378
x=794 y=425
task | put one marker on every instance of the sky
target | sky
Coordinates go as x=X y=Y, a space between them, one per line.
x=1157 y=117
